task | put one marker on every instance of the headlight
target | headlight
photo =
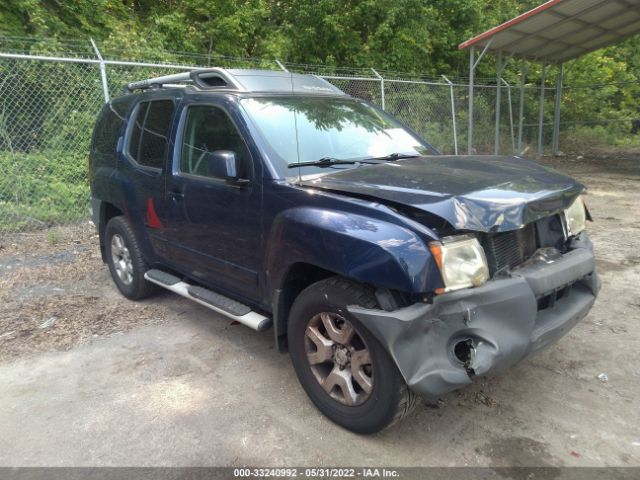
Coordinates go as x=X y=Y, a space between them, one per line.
x=576 y=217
x=461 y=261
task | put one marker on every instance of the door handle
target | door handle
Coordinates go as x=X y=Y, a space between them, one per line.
x=176 y=196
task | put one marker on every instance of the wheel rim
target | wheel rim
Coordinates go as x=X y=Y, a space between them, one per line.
x=121 y=259
x=339 y=358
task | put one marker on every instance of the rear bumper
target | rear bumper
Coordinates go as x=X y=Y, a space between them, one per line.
x=94 y=210
x=502 y=322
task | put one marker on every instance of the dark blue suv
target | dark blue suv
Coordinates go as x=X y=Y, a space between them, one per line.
x=384 y=268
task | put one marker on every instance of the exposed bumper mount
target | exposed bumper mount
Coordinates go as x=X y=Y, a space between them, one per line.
x=441 y=346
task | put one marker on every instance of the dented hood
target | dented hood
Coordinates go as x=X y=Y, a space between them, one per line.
x=480 y=193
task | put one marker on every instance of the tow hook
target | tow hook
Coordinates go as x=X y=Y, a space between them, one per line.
x=476 y=355
x=465 y=352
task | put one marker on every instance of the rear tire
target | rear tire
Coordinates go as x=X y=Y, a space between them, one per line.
x=126 y=261
x=342 y=367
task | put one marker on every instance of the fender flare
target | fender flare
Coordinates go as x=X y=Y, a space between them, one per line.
x=365 y=249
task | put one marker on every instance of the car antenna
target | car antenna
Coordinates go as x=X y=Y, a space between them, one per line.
x=295 y=123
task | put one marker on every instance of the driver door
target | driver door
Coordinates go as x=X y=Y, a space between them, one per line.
x=215 y=225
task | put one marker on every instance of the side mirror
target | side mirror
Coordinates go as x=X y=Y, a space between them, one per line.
x=224 y=164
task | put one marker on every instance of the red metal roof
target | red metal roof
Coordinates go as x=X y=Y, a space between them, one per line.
x=561 y=30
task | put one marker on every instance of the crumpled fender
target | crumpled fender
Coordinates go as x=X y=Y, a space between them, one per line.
x=362 y=248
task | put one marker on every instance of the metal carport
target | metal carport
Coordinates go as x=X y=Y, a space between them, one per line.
x=552 y=33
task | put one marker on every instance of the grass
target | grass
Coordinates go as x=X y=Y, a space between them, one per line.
x=41 y=189
x=53 y=236
x=598 y=138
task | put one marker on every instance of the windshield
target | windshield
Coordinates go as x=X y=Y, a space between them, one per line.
x=307 y=129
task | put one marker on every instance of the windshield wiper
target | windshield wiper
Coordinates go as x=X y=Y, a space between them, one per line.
x=396 y=156
x=326 y=162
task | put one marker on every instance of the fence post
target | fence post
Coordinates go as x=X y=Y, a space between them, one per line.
x=513 y=138
x=541 y=110
x=279 y=63
x=556 y=113
x=381 y=87
x=498 y=105
x=523 y=74
x=472 y=68
x=103 y=72
x=453 y=115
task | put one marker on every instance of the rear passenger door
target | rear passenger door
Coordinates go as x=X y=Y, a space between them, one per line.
x=215 y=229
x=147 y=148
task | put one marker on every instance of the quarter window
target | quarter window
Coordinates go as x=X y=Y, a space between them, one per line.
x=208 y=129
x=108 y=128
x=150 y=133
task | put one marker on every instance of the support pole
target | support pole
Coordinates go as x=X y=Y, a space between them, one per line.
x=473 y=63
x=513 y=138
x=472 y=68
x=282 y=67
x=103 y=72
x=498 y=90
x=523 y=75
x=381 y=88
x=453 y=115
x=541 y=111
x=556 y=113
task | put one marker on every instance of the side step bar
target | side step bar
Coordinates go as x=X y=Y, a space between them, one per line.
x=212 y=300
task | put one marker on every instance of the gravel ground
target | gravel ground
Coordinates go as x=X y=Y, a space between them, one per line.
x=166 y=382
x=53 y=295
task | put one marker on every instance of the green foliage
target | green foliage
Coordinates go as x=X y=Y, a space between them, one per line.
x=583 y=139
x=53 y=236
x=52 y=18
x=413 y=36
x=42 y=188
x=44 y=135
x=582 y=103
x=402 y=35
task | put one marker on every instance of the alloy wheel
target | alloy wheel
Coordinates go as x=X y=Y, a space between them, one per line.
x=339 y=358
x=121 y=258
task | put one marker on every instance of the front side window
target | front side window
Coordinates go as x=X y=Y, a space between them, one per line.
x=150 y=133
x=209 y=129
x=303 y=129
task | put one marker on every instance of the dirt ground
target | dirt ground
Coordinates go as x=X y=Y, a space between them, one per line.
x=52 y=294
x=89 y=378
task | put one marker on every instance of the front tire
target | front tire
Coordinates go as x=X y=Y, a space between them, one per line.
x=126 y=261
x=343 y=368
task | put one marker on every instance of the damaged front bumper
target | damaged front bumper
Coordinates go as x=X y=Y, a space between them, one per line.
x=441 y=346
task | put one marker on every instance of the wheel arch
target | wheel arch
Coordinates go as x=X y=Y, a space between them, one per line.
x=298 y=276
x=107 y=212
x=308 y=244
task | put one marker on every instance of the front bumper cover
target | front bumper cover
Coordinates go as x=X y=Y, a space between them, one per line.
x=503 y=321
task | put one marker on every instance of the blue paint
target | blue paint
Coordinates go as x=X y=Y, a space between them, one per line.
x=371 y=223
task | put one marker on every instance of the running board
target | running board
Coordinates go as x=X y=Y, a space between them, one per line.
x=212 y=300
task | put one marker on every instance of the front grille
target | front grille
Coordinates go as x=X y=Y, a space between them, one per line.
x=509 y=249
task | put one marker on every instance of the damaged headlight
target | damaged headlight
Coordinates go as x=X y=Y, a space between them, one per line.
x=461 y=261
x=576 y=217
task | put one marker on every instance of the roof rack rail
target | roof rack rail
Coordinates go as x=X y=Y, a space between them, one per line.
x=241 y=80
x=206 y=79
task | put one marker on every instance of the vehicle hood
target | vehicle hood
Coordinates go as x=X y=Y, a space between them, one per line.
x=480 y=193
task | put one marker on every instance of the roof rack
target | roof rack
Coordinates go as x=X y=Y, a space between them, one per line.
x=202 y=79
x=241 y=80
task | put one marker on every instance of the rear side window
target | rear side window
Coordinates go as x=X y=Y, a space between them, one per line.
x=150 y=133
x=108 y=128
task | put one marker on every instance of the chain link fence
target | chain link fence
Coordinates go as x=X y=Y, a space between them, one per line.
x=48 y=106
